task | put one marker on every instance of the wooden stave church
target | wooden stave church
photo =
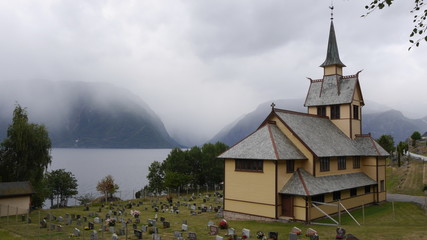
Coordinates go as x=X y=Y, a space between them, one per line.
x=294 y=160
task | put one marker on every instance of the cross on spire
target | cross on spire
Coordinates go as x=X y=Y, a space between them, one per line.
x=273 y=105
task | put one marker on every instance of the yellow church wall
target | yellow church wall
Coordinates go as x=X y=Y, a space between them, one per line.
x=299 y=208
x=333 y=167
x=331 y=70
x=250 y=192
x=346 y=200
x=343 y=125
x=312 y=110
x=368 y=166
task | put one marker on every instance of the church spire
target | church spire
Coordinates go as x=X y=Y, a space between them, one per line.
x=332 y=55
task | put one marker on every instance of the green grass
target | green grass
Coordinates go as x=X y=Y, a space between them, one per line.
x=407 y=222
x=406 y=179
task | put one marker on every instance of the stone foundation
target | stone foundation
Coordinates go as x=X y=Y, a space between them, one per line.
x=242 y=216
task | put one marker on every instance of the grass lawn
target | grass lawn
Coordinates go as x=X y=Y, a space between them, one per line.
x=408 y=221
x=408 y=179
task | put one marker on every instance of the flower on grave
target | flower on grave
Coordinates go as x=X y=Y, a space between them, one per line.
x=244 y=236
x=223 y=224
x=135 y=213
x=86 y=228
x=260 y=235
x=110 y=222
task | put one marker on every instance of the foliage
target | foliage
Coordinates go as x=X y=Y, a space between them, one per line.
x=61 y=185
x=25 y=154
x=107 y=187
x=401 y=149
x=188 y=169
x=419 y=11
x=415 y=136
x=155 y=178
x=85 y=199
x=387 y=142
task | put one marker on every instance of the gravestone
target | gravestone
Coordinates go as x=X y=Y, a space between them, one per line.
x=137 y=220
x=144 y=228
x=28 y=220
x=162 y=219
x=184 y=221
x=79 y=222
x=138 y=233
x=43 y=223
x=114 y=237
x=218 y=237
x=59 y=228
x=52 y=227
x=315 y=237
x=112 y=230
x=351 y=237
x=246 y=232
x=48 y=217
x=166 y=224
x=60 y=219
x=97 y=220
x=184 y=227
x=192 y=236
x=151 y=222
x=67 y=215
x=122 y=231
x=94 y=235
x=73 y=216
x=76 y=232
x=293 y=236
x=69 y=221
x=84 y=219
x=78 y=216
x=273 y=235
x=156 y=237
x=90 y=225
x=177 y=234
x=213 y=230
x=231 y=231
x=340 y=233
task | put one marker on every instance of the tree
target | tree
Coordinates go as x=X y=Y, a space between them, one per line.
x=107 y=187
x=25 y=154
x=61 y=186
x=387 y=142
x=415 y=137
x=155 y=178
x=419 y=32
x=401 y=149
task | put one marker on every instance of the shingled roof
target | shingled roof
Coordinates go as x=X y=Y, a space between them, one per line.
x=13 y=189
x=319 y=134
x=303 y=183
x=332 y=55
x=267 y=143
x=331 y=90
x=369 y=147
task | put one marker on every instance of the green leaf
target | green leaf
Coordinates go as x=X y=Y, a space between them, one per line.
x=411 y=41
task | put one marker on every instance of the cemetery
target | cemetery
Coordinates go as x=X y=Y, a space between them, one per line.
x=199 y=216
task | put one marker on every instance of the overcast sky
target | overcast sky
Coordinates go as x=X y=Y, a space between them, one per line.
x=201 y=64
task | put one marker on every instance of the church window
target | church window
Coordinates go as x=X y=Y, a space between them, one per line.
x=249 y=165
x=318 y=198
x=324 y=164
x=355 y=112
x=336 y=195
x=353 y=192
x=335 y=111
x=367 y=189
x=290 y=166
x=341 y=163
x=356 y=162
x=321 y=111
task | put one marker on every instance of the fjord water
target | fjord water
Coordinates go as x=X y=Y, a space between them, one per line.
x=129 y=168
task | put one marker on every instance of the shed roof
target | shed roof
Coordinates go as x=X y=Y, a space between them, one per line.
x=267 y=143
x=319 y=134
x=303 y=183
x=9 y=189
x=331 y=90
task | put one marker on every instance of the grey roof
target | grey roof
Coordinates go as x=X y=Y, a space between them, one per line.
x=332 y=55
x=331 y=90
x=267 y=143
x=9 y=189
x=369 y=147
x=303 y=183
x=319 y=134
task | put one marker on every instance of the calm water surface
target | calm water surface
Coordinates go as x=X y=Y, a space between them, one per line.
x=129 y=167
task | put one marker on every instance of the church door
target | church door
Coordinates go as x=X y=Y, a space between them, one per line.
x=287 y=206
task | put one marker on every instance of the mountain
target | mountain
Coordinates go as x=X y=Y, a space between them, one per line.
x=377 y=120
x=86 y=115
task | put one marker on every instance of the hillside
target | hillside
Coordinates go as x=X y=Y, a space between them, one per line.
x=86 y=115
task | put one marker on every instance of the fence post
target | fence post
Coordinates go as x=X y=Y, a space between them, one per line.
x=7 y=214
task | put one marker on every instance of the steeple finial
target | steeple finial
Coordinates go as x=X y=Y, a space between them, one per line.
x=332 y=55
x=332 y=10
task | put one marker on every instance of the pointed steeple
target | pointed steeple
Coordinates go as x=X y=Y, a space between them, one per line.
x=332 y=55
